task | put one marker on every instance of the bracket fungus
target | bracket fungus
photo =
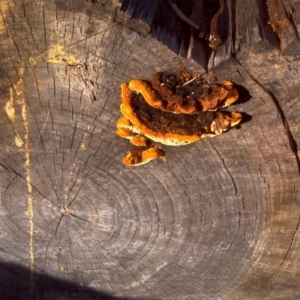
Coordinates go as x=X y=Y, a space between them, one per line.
x=173 y=110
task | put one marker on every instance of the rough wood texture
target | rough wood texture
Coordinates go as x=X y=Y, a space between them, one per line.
x=235 y=24
x=219 y=220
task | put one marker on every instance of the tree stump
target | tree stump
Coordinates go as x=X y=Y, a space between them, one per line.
x=218 y=220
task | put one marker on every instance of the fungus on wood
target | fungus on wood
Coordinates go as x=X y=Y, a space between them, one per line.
x=219 y=220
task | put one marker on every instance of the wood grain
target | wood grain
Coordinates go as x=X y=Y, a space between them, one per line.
x=218 y=220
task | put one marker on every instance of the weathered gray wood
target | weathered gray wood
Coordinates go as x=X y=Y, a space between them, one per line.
x=219 y=220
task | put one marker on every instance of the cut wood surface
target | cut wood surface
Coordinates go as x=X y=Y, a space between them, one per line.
x=218 y=220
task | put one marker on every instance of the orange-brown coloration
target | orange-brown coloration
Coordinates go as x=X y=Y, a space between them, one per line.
x=231 y=97
x=125 y=129
x=152 y=115
x=140 y=156
x=124 y=133
x=138 y=140
x=151 y=97
x=223 y=122
x=212 y=101
x=161 y=95
x=123 y=122
x=128 y=112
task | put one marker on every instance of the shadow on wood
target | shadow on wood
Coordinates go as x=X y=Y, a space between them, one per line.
x=17 y=284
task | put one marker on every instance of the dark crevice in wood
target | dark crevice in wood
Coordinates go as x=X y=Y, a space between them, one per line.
x=239 y=222
x=26 y=180
x=224 y=165
x=143 y=10
x=58 y=223
x=98 y=2
x=85 y=220
x=74 y=196
x=8 y=169
x=189 y=28
x=243 y=202
x=265 y=26
x=233 y=27
x=292 y=141
x=292 y=22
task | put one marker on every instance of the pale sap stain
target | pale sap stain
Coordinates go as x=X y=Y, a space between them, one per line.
x=32 y=61
x=21 y=72
x=11 y=113
x=19 y=88
x=29 y=211
x=57 y=54
x=9 y=107
x=4 y=8
x=18 y=141
x=83 y=146
x=161 y=266
x=16 y=96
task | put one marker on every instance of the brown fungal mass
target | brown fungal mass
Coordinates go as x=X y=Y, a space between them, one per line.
x=185 y=92
x=175 y=110
x=169 y=128
x=167 y=122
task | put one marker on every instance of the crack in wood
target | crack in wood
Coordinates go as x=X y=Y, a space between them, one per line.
x=233 y=27
x=293 y=147
x=227 y=170
x=292 y=21
x=292 y=141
